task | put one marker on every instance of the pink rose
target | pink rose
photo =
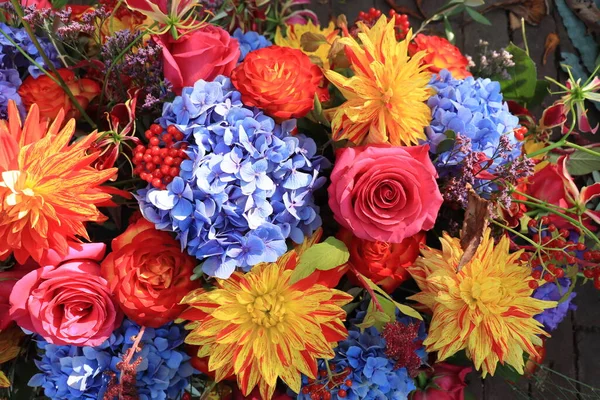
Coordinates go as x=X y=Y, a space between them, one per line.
x=203 y=54
x=66 y=301
x=384 y=193
x=446 y=382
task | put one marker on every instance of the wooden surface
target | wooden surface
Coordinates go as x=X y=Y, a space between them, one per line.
x=574 y=348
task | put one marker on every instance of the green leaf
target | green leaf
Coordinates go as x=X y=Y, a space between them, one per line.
x=474 y=3
x=322 y=256
x=448 y=143
x=448 y=29
x=582 y=163
x=523 y=77
x=478 y=17
x=375 y=318
x=406 y=310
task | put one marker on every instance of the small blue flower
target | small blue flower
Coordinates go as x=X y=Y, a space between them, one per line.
x=12 y=58
x=9 y=86
x=250 y=41
x=70 y=372
x=247 y=186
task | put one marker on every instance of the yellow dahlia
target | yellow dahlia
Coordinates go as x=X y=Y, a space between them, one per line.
x=385 y=99
x=260 y=327
x=47 y=188
x=293 y=39
x=485 y=309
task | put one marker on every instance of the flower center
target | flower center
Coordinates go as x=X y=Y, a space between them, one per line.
x=481 y=294
x=267 y=310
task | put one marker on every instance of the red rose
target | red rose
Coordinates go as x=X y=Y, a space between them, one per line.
x=441 y=54
x=446 y=382
x=384 y=193
x=202 y=54
x=67 y=302
x=383 y=263
x=148 y=274
x=51 y=98
x=279 y=80
x=8 y=279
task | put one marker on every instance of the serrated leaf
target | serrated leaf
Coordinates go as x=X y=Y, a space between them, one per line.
x=582 y=163
x=523 y=77
x=322 y=256
x=477 y=17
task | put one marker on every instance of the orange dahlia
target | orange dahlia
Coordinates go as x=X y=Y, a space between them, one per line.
x=441 y=54
x=48 y=189
x=260 y=327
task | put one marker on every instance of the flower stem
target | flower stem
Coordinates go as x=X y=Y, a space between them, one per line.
x=582 y=148
x=514 y=232
x=49 y=64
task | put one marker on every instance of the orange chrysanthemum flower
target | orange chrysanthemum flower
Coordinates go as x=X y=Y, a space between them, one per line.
x=486 y=308
x=441 y=54
x=48 y=189
x=260 y=327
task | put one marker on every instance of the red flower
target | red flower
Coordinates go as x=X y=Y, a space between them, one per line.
x=8 y=279
x=384 y=193
x=202 y=54
x=148 y=274
x=441 y=54
x=67 y=302
x=446 y=382
x=382 y=262
x=280 y=80
x=50 y=97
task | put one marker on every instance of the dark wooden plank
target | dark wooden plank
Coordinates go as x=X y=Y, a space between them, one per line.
x=476 y=385
x=496 y=35
x=588 y=303
x=497 y=388
x=323 y=9
x=351 y=8
x=588 y=344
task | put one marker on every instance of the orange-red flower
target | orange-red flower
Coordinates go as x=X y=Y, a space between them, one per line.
x=148 y=274
x=382 y=262
x=51 y=98
x=48 y=189
x=280 y=80
x=441 y=54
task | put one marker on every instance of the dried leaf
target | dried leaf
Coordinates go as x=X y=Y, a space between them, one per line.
x=552 y=42
x=476 y=220
x=9 y=343
x=337 y=55
x=588 y=13
x=533 y=11
x=312 y=41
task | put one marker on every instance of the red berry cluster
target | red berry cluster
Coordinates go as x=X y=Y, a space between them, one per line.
x=324 y=388
x=159 y=162
x=401 y=23
x=558 y=252
x=520 y=133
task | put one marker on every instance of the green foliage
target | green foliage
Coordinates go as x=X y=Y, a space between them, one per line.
x=582 y=40
x=321 y=256
x=582 y=163
x=522 y=86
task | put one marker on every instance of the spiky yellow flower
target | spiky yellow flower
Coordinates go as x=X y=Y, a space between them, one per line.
x=485 y=309
x=293 y=39
x=385 y=99
x=261 y=327
x=47 y=188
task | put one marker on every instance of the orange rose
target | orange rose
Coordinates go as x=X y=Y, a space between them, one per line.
x=280 y=80
x=441 y=55
x=148 y=274
x=51 y=98
x=383 y=263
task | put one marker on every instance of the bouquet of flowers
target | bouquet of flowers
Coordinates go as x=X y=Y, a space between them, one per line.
x=228 y=200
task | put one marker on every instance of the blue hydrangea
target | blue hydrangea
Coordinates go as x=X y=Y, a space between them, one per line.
x=474 y=109
x=372 y=373
x=12 y=58
x=9 y=86
x=247 y=185
x=70 y=372
x=250 y=41
x=554 y=291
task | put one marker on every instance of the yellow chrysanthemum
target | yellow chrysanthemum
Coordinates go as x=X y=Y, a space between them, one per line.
x=294 y=35
x=261 y=327
x=48 y=189
x=385 y=99
x=485 y=309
